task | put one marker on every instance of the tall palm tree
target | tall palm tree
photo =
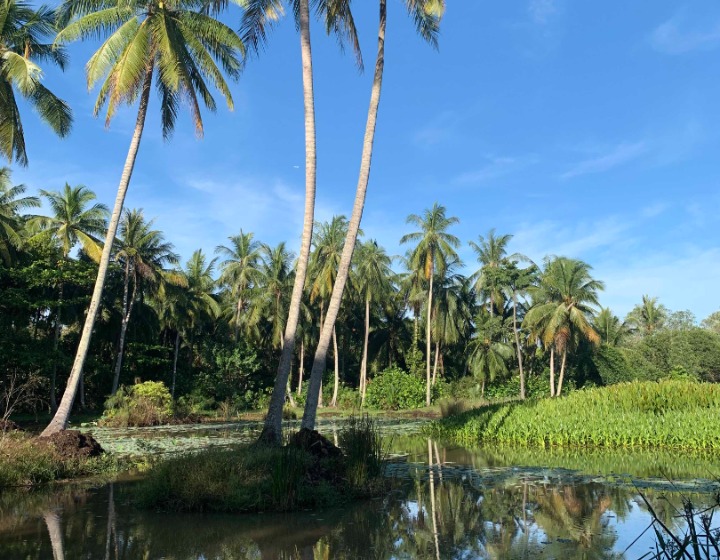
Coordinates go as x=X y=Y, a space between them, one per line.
x=258 y=16
x=426 y=14
x=373 y=277
x=73 y=221
x=11 y=222
x=23 y=33
x=276 y=280
x=435 y=248
x=563 y=306
x=240 y=269
x=490 y=278
x=519 y=280
x=324 y=263
x=488 y=351
x=143 y=253
x=179 y=45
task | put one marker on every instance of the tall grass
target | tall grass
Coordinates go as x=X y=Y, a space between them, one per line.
x=671 y=414
x=362 y=447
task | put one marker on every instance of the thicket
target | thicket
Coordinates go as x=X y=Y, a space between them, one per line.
x=675 y=414
x=143 y=404
x=395 y=389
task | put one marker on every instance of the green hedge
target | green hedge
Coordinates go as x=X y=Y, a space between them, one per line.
x=671 y=414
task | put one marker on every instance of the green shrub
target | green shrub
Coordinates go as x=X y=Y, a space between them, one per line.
x=453 y=406
x=672 y=414
x=143 y=404
x=394 y=389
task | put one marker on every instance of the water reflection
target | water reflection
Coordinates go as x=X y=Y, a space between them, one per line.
x=444 y=508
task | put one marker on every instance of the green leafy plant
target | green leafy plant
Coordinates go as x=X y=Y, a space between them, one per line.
x=143 y=404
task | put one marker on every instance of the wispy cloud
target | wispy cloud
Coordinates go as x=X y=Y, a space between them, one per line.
x=616 y=156
x=436 y=130
x=494 y=167
x=541 y=12
x=671 y=37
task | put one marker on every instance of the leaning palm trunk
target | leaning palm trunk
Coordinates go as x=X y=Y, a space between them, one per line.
x=311 y=404
x=363 y=365
x=128 y=303
x=333 y=402
x=272 y=430
x=428 y=341
x=519 y=349
x=60 y=420
x=301 y=368
x=562 y=373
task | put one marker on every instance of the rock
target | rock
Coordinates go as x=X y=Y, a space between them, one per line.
x=71 y=444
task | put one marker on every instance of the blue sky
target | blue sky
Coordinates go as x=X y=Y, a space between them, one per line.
x=586 y=129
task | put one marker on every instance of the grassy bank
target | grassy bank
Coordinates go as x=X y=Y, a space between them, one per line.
x=28 y=461
x=309 y=472
x=671 y=414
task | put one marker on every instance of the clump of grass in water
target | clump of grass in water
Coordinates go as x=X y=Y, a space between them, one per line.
x=287 y=474
x=362 y=447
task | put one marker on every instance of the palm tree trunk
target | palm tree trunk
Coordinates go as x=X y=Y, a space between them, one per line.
x=363 y=365
x=56 y=345
x=175 y=360
x=127 y=311
x=60 y=420
x=431 y=476
x=562 y=373
x=428 y=341
x=517 y=346
x=552 y=371
x=310 y=412
x=435 y=365
x=333 y=402
x=238 y=310
x=272 y=430
x=301 y=369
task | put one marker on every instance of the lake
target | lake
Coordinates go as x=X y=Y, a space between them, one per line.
x=450 y=502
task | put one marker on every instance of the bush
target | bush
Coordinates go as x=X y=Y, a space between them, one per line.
x=143 y=404
x=671 y=414
x=394 y=389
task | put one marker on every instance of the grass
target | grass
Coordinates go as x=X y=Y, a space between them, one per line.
x=25 y=461
x=256 y=478
x=680 y=415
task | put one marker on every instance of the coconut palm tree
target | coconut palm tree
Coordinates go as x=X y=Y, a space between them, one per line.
x=426 y=15
x=488 y=351
x=435 y=248
x=612 y=332
x=23 y=34
x=564 y=303
x=258 y=16
x=240 y=270
x=490 y=278
x=324 y=263
x=518 y=281
x=275 y=283
x=373 y=279
x=143 y=254
x=648 y=317
x=179 y=45
x=11 y=222
x=73 y=221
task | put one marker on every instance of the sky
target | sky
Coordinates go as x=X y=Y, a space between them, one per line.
x=584 y=129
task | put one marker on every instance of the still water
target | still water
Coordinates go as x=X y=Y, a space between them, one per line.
x=450 y=503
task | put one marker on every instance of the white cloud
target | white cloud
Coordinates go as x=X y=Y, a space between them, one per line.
x=436 y=130
x=616 y=156
x=670 y=38
x=494 y=167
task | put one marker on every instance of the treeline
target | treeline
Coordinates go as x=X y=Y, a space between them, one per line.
x=211 y=328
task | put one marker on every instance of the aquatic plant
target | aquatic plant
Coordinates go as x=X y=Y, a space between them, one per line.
x=672 y=414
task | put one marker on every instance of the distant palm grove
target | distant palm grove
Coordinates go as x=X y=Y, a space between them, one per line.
x=94 y=297
x=212 y=328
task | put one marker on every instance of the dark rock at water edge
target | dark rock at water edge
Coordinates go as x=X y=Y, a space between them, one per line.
x=71 y=444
